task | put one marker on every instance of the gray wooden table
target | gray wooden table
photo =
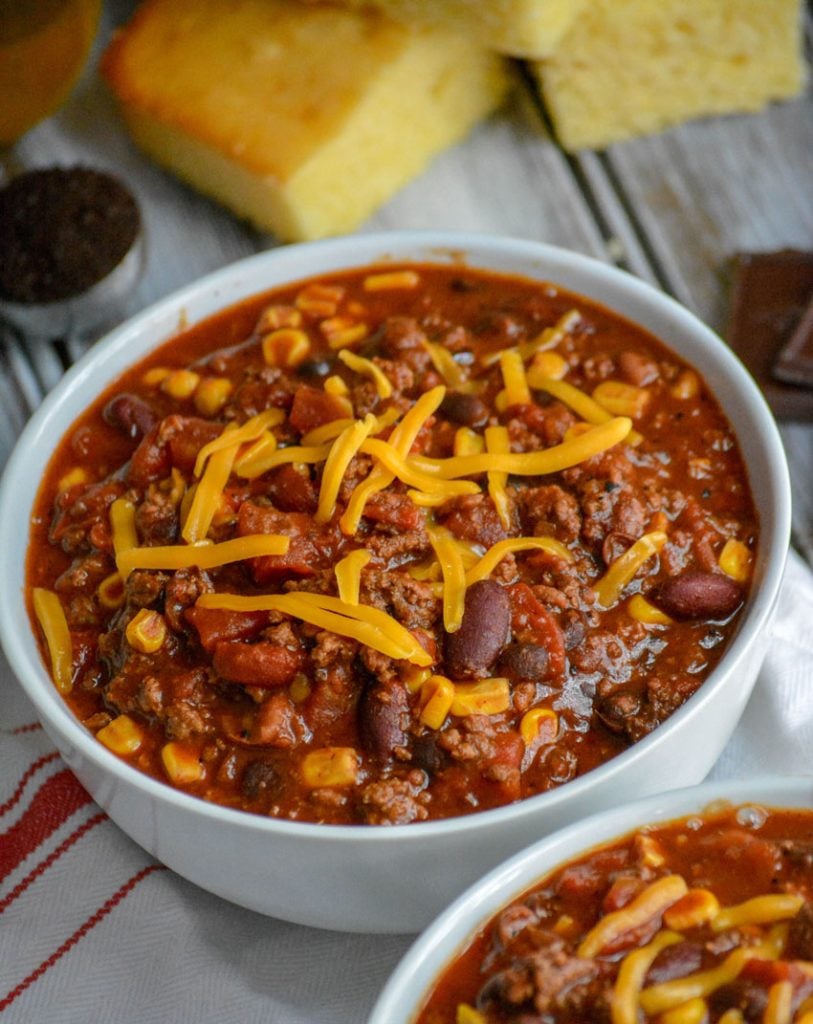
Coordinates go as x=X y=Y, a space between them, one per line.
x=670 y=208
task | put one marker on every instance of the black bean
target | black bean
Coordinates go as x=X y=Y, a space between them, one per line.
x=483 y=633
x=697 y=595
x=130 y=414
x=261 y=778
x=315 y=368
x=524 y=661
x=469 y=410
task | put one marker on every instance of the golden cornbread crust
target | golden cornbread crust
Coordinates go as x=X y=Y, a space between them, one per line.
x=631 y=67
x=520 y=28
x=301 y=119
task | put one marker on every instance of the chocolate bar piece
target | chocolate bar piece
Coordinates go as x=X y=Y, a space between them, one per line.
x=795 y=362
x=769 y=294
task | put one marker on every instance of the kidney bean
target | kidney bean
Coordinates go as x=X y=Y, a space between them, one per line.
x=483 y=633
x=130 y=414
x=469 y=410
x=675 y=962
x=383 y=719
x=697 y=595
x=262 y=664
x=525 y=661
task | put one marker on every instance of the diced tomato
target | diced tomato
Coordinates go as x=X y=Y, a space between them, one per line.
x=215 y=625
x=312 y=408
x=532 y=623
x=302 y=557
x=293 y=491
x=262 y=664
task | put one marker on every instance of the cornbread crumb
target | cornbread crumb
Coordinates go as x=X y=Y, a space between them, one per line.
x=300 y=119
x=521 y=28
x=630 y=67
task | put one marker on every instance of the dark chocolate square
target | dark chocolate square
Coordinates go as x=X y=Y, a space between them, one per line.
x=769 y=295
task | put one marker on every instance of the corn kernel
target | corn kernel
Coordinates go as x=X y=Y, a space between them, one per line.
x=330 y=766
x=694 y=1011
x=697 y=907
x=735 y=560
x=398 y=279
x=548 y=364
x=437 y=694
x=643 y=611
x=501 y=400
x=152 y=378
x=175 y=487
x=146 y=631
x=468 y=442
x=336 y=387
x=180 y=384
x=122 y=735
x=414 y=677
x=181 y=763
x=466 y=1014
x=278 y=316
x=72 y=478
x=320 y=299
x=342 y=331
x=285 y=346
x=212 y=394
x=539 y=724
x=485 y=697
x=565 y=925
x=686 y=386
x=649 y=851
x=621 y=399
x=300 y=688
x=111 y=591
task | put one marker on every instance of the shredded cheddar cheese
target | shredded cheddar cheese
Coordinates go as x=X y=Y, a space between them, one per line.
x=550 y=460
x=232 y=435
x=401 y=440
x=209 y=491
x=512 y=366
x=54 y=625
x=652 y=902
x=611 y=585
x=631 y=975
x=202 y=556
x=346 y=445
x=405 y=470
x=444 y=362
x=759 y=910
x=497 y=443
x=281 y=456
x=329 y=431
x=122 y=525
x=369 y=626
x=495 y=554
x=454 y=577
x=348 y=574
x=367 y=368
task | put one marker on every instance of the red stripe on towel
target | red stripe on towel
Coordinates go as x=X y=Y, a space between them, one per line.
x=32 y=768
x=55 y=801
x=79 y=934
x=52 y=857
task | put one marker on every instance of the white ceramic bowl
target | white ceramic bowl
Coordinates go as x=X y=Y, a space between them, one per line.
x=390 y=879
x=449 y=935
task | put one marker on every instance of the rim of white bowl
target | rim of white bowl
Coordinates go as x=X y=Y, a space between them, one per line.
x=344 y=253
x=437 y=946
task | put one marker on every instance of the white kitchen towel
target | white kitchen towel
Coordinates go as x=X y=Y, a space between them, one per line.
x=92 y=928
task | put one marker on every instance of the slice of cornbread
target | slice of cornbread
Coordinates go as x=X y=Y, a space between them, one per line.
x=301 y=119
x=630 y=67
x=521 y=28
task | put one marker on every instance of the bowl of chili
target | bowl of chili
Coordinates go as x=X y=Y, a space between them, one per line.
x=695 y=905
x=445 y=533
